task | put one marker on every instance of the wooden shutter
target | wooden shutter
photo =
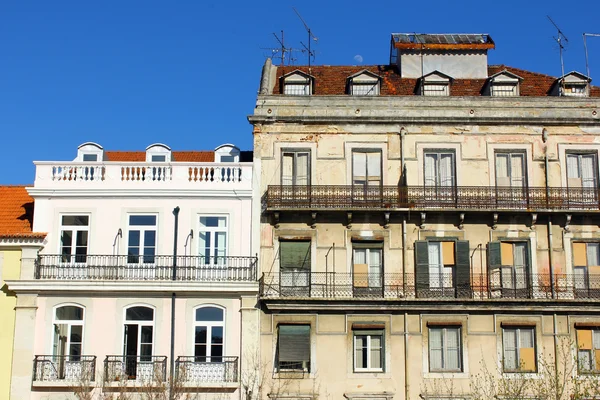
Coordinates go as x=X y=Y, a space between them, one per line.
x=448 y=253
x=579 y=254
x=494 y=255
x=421 y=267
x=463 y=269
x=361 y=275
x=507 y=256
x=584 y=339
x=294 y=343
x=527 y=359
x=294 y=255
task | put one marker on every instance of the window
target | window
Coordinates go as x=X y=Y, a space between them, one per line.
x=445 y=349
x=294 y=266
x=368 y=268
x=504 y=89
x=588 y=350
x=74 y=232
x=68 y=335
x=436 y=89
x=295 y=169
x=368 y=350
x=138 y=340
x=575 y=90
x=365 y=88
x=297 y=83
x=366 y=176
x=509 y=268
x=208 y=334
x=442 y=268
x=439 y=168
x=141 y=245
x=90 y=157
x=510 y=169
x=293 y=348
x=586 y=265
x=213 y=240
x=158 y=158
x=519 y=349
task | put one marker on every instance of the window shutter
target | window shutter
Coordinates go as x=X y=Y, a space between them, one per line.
x=421 y=267
x=584 y=339
x=294 y=343
x=294 y=255
x=463 y=269
x=494 y=255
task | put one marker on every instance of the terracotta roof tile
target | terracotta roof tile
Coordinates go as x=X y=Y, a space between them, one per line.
x=16 y=213
x=332 y=80
x=180 y=156
x=138 y=156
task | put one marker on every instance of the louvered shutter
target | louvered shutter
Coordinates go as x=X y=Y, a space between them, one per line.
x=422 y=268
x=494 y=263
x=463 y=269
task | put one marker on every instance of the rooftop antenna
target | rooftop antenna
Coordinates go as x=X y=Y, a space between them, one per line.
x=560 y=37
x=587 y=64
x=310 y=36
x=281 y=51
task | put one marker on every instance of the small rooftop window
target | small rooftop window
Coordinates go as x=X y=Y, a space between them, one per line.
x=573 y=84
x=158 y=152
x=297 y=83
x=503 y=84
x=90 y=152
x=364 y=83
x=435 y=84
x=227 y=153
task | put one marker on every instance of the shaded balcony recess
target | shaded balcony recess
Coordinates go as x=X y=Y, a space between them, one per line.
x=135 y=368
x=146 y=268
x=395 y=286
x=475 y=198
x=203 y=371
x=67 y=369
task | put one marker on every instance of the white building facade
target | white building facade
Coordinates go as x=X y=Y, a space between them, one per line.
x=145 y=274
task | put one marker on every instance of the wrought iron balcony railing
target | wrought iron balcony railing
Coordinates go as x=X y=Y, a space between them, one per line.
x=334 y=285
x=348 y=197
x=136 y=368
x=192 y=370
x=146 y=268
x=68 y=369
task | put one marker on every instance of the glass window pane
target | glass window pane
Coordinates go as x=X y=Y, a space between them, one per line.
x=201 y=335
x=217 y=335
x=526 y=338
x=145 y=352
x=67 y=240
x=82 y=238
x=376 y=358
x=76 y=333
x=149 y=238
x=142 y=220
x=584 y=359
x=134 y=238
x=209 y=314
x=146 y=334
x=200 y=351
x=216 y=350
x=69 y=313
x=75 y=220
x=139 y=314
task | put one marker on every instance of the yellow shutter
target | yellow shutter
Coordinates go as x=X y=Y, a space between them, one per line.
x=448 y=253
x=594 y=273
x=579 y=255
x=361 y=275
x=584 y=339
x=527 y=359
x=597 y=358
x=506 y=251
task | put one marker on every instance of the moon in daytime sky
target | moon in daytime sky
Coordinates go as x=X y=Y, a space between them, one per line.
x=358 y=58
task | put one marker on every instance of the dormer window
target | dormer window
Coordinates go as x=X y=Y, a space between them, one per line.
x=573 y=84
x=503 y=84
x=435 y=84
x=364 y=83
x=297 y=83
x=90 y=152
x=158 y=152
x=227 y=153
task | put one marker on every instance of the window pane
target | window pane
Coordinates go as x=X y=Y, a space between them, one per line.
x=201 y=335
x=359 y=166
x=584 y=358
x=82 y=238
x=76 y=333
x=295 y=255
x=139 y=314
x=209 y=314
x=149 y=238
x=217 y=335
x=219 y=222
x=593 y=255
x=596 y=339
x=90 y=157
x=75 y=220
x=134 y=238
x=526 y=338
x=200 y=351
x=142 y=220
x=146 y=334
x=69 y=313
x=376 y=358
x=360 y=343
x=67 y=241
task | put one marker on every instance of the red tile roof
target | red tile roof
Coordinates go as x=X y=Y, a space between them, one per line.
x=178 y=156
x=332 y=80
x=16 y=213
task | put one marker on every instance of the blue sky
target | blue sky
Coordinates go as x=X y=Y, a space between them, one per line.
x=129 y=73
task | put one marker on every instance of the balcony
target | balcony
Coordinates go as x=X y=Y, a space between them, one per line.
x=49 y=371
x=135 y=369
x=145 y=268
x=204 y=372
x=396 y=286
x=460 y=198
x=141 y=175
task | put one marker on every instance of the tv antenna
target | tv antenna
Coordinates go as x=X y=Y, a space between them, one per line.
x=310 y=53
x=587 y=64
x=280 y=52
x=560 y=37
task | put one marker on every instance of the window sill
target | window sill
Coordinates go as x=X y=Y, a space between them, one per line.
x=292 y=374
x=446 y=375
x=369 y=375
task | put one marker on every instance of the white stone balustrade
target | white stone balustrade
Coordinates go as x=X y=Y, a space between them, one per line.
x=130 y=175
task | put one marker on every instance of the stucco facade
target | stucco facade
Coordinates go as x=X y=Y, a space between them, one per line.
x=409 y=241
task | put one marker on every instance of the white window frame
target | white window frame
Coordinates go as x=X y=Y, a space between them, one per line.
x=142 y=242
x=443 y=270
x=74 y=229
x=212 y=231
x=368 y=335
x=294 y=154
x=140 y=324
x=518 y=330
x=374 y=279
x=445 y=348
x=436 y=89
x=438 y=153
x=209 y=328
x=364 y=88
x=592 y=352
x=70 y=324
x=297 y=87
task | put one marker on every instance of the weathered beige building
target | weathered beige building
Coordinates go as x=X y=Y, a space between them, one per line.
x=426 y=224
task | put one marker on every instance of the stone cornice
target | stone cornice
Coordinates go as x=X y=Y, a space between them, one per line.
x=139 y=193
x=20 y=242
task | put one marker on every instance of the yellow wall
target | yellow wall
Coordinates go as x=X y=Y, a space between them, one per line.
x=10 y=265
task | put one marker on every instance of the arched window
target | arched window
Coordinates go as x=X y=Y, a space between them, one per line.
x=138 y=338
x=68 y=332
x=208 y=334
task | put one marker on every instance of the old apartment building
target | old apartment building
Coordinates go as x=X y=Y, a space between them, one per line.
x=425 y=221
x=145 y=272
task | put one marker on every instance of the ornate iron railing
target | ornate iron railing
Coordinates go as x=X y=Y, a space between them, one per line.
x=73 y=369
x=203 y=370
x=132 y=268
x=348 y=197
x=494 y=285
x=138 y=368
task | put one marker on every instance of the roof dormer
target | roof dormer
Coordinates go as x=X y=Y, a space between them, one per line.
x=158 y=152
x=573 y=84
x=435 y=83
x=503 y=84
x=364 y=83
x=90 y=152
x=297 y=83
x=227 y=153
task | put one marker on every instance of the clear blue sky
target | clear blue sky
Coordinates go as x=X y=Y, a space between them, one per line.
x=129 y=73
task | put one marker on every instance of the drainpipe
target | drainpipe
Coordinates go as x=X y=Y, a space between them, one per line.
x=550 y=237
x=404 y=256
x=402 y=166
x=406 y=385
x=175 y=228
